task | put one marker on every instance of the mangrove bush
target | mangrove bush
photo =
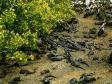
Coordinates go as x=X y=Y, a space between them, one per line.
x=22 y=21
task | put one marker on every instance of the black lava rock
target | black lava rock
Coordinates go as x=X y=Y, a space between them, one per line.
x=73 y=20
x=55 y=57
x=73 y=81
x=72 y=61
x=70 y=44
x=91 y=53
x=46 y=81
x=99 y=22
x=26 y=72
x=110 y=58
x=45 y=72
x=82 y=43
x=101 y=32
x=110 y=45
x=15 y=80
x=93 y=31
x=86 y=78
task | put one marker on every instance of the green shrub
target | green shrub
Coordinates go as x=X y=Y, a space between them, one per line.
x=18 y=56
x=22 y=21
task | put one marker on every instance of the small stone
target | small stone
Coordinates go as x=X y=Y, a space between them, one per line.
x=99 y=22
x=15 y=80
x=26 y=72
x=86 y=78
x=110 y=45
x=93 y=31
x=82 y=43
x=45 y=72
x=97 y=47
x=73 y=81
x=55 y=57
x=102 y=30
x=95 y=58
x=86 y=36
x=110 y=58
x=46 y=81
x=91 y=53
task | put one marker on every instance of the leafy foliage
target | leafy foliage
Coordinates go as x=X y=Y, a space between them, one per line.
x=22 y=21
x=18 y=56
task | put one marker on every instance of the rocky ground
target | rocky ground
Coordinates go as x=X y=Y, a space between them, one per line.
x=76 y=55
